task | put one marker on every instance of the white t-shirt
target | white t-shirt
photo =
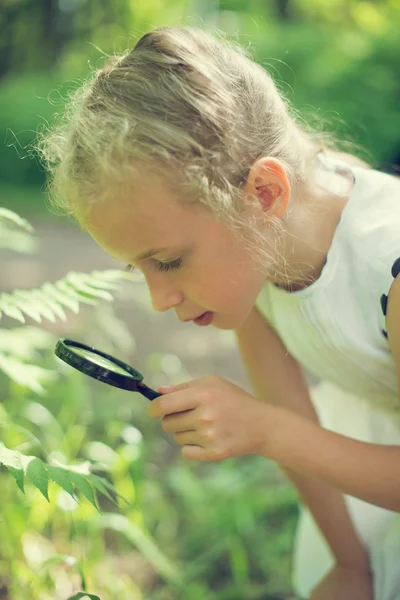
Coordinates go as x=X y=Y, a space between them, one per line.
x=335 y=328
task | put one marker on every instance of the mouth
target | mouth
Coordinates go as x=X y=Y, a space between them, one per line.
x=204 y=319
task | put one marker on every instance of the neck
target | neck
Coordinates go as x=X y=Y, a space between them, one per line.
x=305 y=247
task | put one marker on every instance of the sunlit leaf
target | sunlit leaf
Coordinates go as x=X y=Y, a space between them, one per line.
x=102 y=485
x=37 y=473
x=84 y=486
x=18 y=475
x=61 y=477
x=29 y=376
x=72 y=290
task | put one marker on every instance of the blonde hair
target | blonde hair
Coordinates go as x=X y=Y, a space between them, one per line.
x=194 y=108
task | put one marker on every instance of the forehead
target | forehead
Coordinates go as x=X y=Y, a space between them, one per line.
x=144 y=216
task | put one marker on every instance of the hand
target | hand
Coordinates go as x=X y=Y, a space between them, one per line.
x=213 y=419
x=344 y=583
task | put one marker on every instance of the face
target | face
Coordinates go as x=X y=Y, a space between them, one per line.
x=204 y=268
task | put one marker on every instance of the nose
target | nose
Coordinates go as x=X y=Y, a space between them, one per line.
x=164 y=295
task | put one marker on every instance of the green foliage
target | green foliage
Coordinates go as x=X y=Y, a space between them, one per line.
x=337 y=61
x=83 y=595
x=47 y=302
x=173 y=538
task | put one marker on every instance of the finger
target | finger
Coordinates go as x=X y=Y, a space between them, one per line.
x=172 y=403
x=187 y=437
x=193 y=452
x=179 y=422
x=203 y=453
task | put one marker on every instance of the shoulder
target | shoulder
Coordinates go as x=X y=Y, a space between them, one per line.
x=371 y=227
x=371 y=239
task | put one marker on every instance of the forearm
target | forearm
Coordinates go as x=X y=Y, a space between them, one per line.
x=367 y=471
x=330 y=513
x=290 y=391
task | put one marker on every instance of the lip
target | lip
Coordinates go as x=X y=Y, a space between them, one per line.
x=205 y=319
x=194 y=318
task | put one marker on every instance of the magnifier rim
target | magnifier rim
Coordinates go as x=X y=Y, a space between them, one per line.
x=64 y=351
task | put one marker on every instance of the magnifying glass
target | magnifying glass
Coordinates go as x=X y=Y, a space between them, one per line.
x=103 y=367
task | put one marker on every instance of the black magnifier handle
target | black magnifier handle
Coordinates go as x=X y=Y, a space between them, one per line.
x=146 y=391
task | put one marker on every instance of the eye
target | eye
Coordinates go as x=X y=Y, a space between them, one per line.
x=169 y=266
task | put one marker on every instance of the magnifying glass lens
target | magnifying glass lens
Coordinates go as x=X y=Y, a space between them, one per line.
x=101 y=361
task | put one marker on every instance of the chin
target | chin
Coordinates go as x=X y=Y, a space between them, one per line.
x=228 y=325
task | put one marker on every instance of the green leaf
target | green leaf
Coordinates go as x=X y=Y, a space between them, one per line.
x=8 y=307
x=101 y=484
x=16 y=219
x=83 y=485
x=10 y=458
x=98 y=483
x=80 y=595
x=16 y=240
x=71 y=291
x=18 y=475
x=52 y=291
x=67 y=477
x=30 y=376
x=61 y=477
x=80 y=281
x=38 y=475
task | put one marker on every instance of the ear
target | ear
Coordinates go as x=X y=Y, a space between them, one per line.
x=267 y=180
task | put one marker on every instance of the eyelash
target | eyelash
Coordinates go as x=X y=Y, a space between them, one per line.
x=169 y=266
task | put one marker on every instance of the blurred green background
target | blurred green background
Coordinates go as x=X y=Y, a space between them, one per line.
x=336 y=60
x=228 y=527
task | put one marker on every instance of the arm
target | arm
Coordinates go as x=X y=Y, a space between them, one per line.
x=276 y=378
x=365 y=470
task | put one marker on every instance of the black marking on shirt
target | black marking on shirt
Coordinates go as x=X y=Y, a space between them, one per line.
x=384 y=298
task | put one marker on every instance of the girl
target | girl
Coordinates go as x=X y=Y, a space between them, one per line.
x=181 y=158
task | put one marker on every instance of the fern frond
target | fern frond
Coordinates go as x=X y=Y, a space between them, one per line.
x=30 y=376
x=9 y=215
x=50 y=300
x=71 y=478
x=12 y=238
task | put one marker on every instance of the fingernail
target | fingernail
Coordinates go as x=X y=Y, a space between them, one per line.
x=165 y=388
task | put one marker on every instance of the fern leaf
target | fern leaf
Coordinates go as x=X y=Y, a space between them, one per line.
x=81 y=284
x=9 y=308
x=24 y=342
x=29 y=302
x=9 y=215
x=68 y=477
x=30 y=376
x=16 y=240
x=74 y=289
x=63 y=298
